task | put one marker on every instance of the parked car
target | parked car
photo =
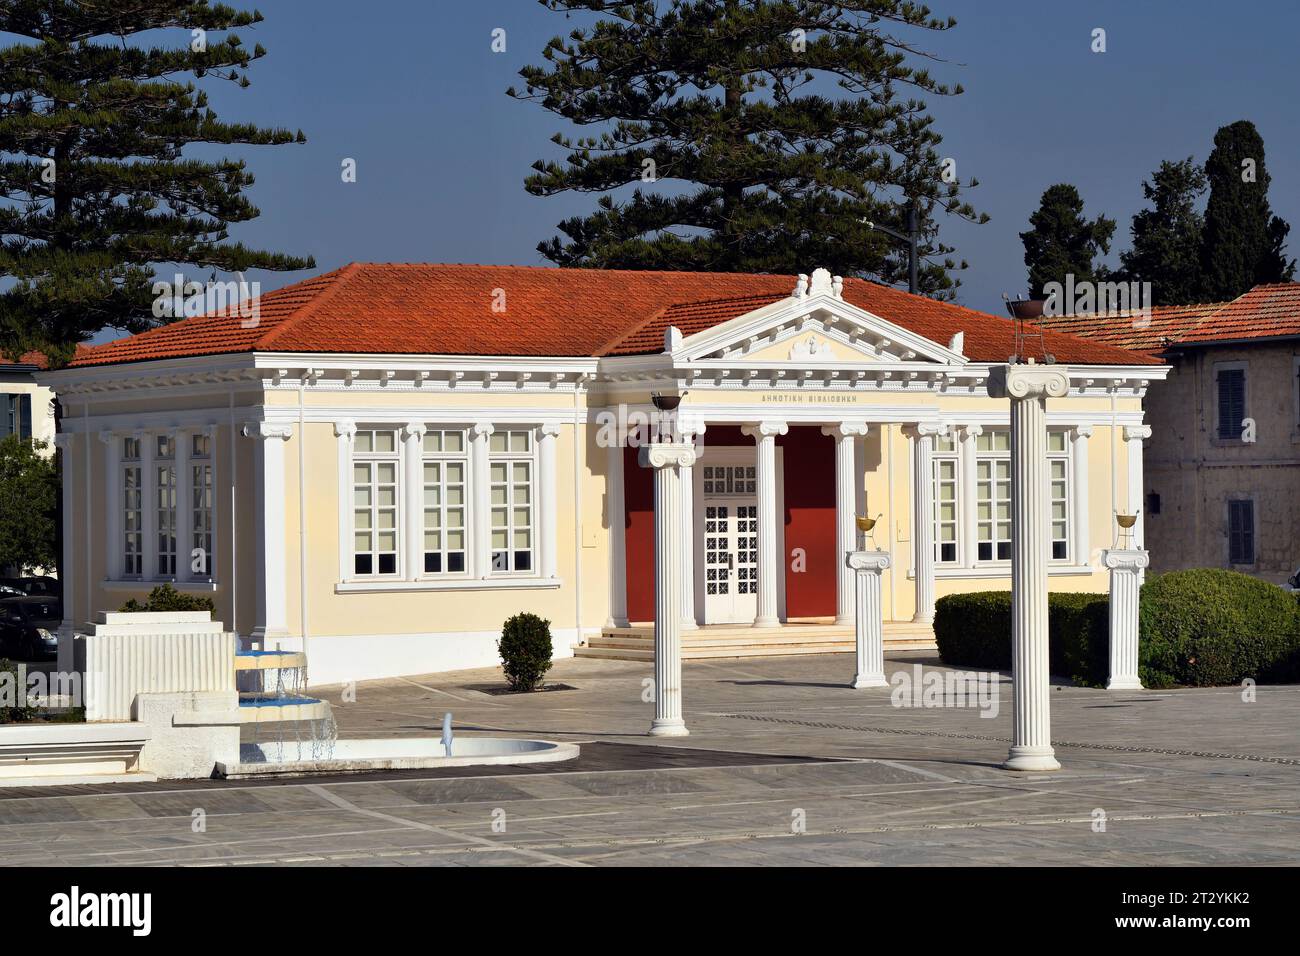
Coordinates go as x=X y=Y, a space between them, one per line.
x=28 y=628
x=38 y=586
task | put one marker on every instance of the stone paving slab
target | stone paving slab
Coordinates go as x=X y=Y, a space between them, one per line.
x=783 y=767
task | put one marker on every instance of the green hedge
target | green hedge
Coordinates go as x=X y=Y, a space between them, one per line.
x=1201 y=628
x=974 y=630
x=1208 y=627
x=166 y=598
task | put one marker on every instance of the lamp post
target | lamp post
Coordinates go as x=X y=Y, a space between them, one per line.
x=910 y=237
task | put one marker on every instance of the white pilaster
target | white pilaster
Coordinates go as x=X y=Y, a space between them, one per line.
x=616 y=517
x=769 y=564
x=413 y=499
x=546 y=498
x=967 y=514
x=1028 y=387
x=481 y=513
x=1134 y=435
x=269 y=507
x=1079 y=494
x=667 y=460
x=345 y=431
x=868 y=621
x=848 y=479
x=1126 y=568
x=115 y=499
x=922 y=436
x=689 y=430
x=148 y=505
x=182 y=446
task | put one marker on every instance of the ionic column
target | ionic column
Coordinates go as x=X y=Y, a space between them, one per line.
x=615 y=515
x=1028 y=387
x=1134 y=435
x=689 y=430
x=847 y=481
x=1126 y=568
x=481 y=513
x=546 y=515
x=63 y=441
x=1079 y=496
x=268 y=568
x=769 y=565
x=667 y=460
x=922 y=435
x=868 y=627
x=413 y=498
x=116 y=499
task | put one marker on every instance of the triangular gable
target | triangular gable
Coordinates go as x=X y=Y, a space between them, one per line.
x=813 y=325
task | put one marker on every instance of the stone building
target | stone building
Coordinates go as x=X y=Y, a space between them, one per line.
x=1222 y=458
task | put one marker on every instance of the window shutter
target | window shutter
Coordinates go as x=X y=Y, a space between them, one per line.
x=25 y=416
x=1232 y=402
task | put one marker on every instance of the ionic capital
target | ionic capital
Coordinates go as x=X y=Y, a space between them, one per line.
x=1137 y=432
x=845 y=430
x=666 y=455
x=760 y=430
x=1025 y=381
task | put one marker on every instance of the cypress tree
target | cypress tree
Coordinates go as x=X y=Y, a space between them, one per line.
x=1243 y=243
x=1062 y=242
x=1167 y=236
x=718 y=125
x=94 y=120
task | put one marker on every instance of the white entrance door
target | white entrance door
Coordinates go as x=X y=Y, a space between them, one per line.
x=730 y=564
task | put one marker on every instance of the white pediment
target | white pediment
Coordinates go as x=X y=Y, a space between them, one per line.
x=814 y=326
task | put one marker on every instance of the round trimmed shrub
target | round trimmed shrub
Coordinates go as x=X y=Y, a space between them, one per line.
x=525 y=649
x=1208 y=627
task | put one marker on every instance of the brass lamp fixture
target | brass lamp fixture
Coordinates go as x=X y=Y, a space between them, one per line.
x=866 y=530
x=1125 y=534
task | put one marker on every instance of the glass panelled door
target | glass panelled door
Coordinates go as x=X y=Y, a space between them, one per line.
x=730 y=544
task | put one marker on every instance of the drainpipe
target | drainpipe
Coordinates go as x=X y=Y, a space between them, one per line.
x=234 y=577
x=577 y=515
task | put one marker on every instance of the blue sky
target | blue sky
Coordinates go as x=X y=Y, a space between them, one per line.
x=413 y=92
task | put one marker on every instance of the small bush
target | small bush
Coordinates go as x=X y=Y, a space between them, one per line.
x=166 y=598
x=1208 y=627
x=974 y=630
x=13 y=714
x=525 y=649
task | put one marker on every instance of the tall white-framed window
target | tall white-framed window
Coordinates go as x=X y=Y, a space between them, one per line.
x=132 y=509
x=375 y=519
x=445 y=470
x=511 y=470
x=946 y=470
x=164 y=497
x=993 y=495
x=200 y=503
x=1058 y=465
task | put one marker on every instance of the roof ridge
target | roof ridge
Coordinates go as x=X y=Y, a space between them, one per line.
x=340 y=277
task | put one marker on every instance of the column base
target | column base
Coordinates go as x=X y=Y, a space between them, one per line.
x=845 y=621
x=869 y=680
x=689 y=626
x=922 y=618
x=668 y=727
x=767 y=622
x=1124 y=683
x=1031 y=759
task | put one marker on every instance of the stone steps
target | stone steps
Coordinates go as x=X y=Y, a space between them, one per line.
x=636 y=643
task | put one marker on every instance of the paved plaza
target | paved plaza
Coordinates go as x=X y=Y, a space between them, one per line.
x=784 y=766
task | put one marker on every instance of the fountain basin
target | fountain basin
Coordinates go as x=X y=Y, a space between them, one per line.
x=398 y=753
x=269 y=660
x=253 y=709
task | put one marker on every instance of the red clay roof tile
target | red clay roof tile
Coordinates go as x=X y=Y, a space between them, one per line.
x=438 y=309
